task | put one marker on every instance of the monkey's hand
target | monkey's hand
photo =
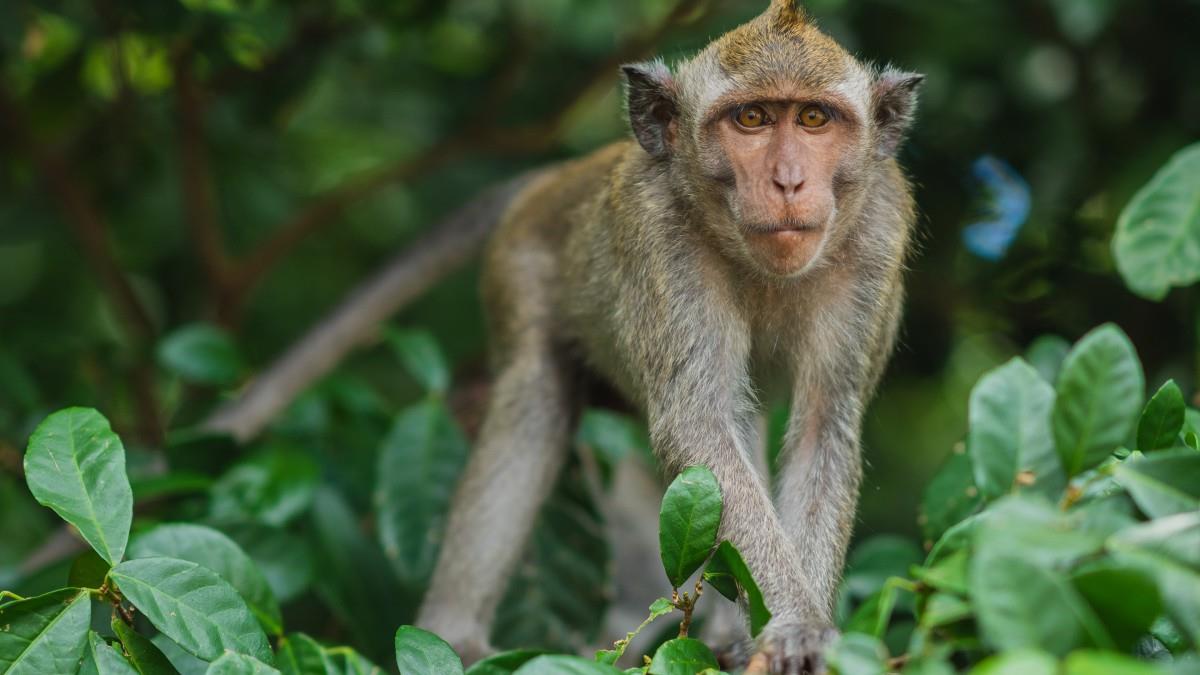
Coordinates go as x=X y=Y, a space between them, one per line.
x=789 y=648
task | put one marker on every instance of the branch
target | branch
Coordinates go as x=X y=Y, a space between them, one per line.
x=525 y=140
x=91 y=230
x=448 y=245
x=196 y=184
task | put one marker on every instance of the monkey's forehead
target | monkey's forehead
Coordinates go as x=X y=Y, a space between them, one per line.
x=769 y=52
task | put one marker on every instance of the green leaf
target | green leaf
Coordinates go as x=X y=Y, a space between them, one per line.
x=419 y=464
x=1157 y=243
x=1124 y=599
x=1099 y=396
x=874 y=615
x=101 y=659
x=1169 y=550
x=284 y=559
x=422 y=358
x=233 y=663
x=1046 y=354
x=858 y=654
x=559 y=595
x=1162 y=418
x=145 y=657
x=353 y=577
x=44 y=634
x=75 y=465
x=943 y=608
x=1018 y=662
x=299 y=654
x=727 y=563
x=201 y=353
x=193 y=606
x=564 y=665
x=272 y=488
x=682 y=656
x=611 y=435
x=950 y=497
x=876 y=560
x=1163 y=483
x=1090 y=662
x=419 y=652
x=208 y=547
x=504 y=663
x=1009 y=437
x=688 y=522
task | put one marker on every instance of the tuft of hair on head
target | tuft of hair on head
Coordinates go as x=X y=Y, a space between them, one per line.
x=787 y=16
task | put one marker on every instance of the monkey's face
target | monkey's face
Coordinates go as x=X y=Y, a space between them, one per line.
x=778 y=161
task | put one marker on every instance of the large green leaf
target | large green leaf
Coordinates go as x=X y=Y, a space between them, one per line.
x=75 y=464
x=1163 y=483
x=233 y=663
x=688 y=522
x=193 y=606
x=558 y=596
x=1018 y=662
x=44 y=634
x=208 y=547
x=419 y=463
x=285 y=560
x=1157 y=244
x=354 y=578
x=1169 y=550
x=950 y=496
x=145 y=657
x=201 y=353
x=728 y=573
x=99 y=658
x=1124 y=598
x=346 y=661
x=1094 y=662
x=682 y=656
x=1162 y=418
x=1099 y=397
x=1009 y=437
x=419 y=652
x=1046 y=354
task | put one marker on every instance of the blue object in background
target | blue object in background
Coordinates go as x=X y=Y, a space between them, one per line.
x=1006 y=201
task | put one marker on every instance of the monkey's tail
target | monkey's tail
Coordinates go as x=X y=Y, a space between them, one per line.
x=448 y=245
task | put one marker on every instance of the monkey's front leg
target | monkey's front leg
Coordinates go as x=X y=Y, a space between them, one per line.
x=698 y=433
x=817 y=495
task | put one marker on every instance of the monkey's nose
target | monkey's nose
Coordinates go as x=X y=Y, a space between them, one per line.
x=788 y=185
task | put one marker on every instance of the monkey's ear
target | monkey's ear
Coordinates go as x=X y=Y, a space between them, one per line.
x=894 y=98
x=651 y=98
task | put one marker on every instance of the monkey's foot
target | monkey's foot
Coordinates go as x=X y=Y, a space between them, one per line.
x=794 y=648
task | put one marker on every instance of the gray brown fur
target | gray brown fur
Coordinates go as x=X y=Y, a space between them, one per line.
x=627 y=264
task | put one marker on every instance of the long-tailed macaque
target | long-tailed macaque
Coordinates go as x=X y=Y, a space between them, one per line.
x=749 y=243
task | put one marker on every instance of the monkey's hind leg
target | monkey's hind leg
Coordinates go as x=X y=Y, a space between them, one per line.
x=521 y=450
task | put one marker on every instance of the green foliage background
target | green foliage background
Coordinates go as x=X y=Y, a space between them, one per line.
x=186 y=185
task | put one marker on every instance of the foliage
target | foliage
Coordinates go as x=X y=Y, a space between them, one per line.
x=185 y=186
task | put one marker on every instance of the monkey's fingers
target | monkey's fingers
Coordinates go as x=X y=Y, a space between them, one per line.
x=758 y=665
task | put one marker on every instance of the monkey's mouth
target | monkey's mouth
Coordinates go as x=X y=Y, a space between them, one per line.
x=781 y=227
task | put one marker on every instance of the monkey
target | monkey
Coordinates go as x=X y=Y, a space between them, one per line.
x=748 y=242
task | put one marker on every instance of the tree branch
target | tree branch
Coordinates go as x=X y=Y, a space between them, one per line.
x=199 y=195
x=91 y=230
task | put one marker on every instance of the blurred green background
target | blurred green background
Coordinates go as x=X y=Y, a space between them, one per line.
x=232 y=168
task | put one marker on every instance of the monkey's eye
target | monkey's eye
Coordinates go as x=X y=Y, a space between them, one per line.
x=813 y=116
x=751 y=116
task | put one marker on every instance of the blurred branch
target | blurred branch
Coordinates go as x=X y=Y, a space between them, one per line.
x=485 y=138
x=91 y=230
x=199 y=196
